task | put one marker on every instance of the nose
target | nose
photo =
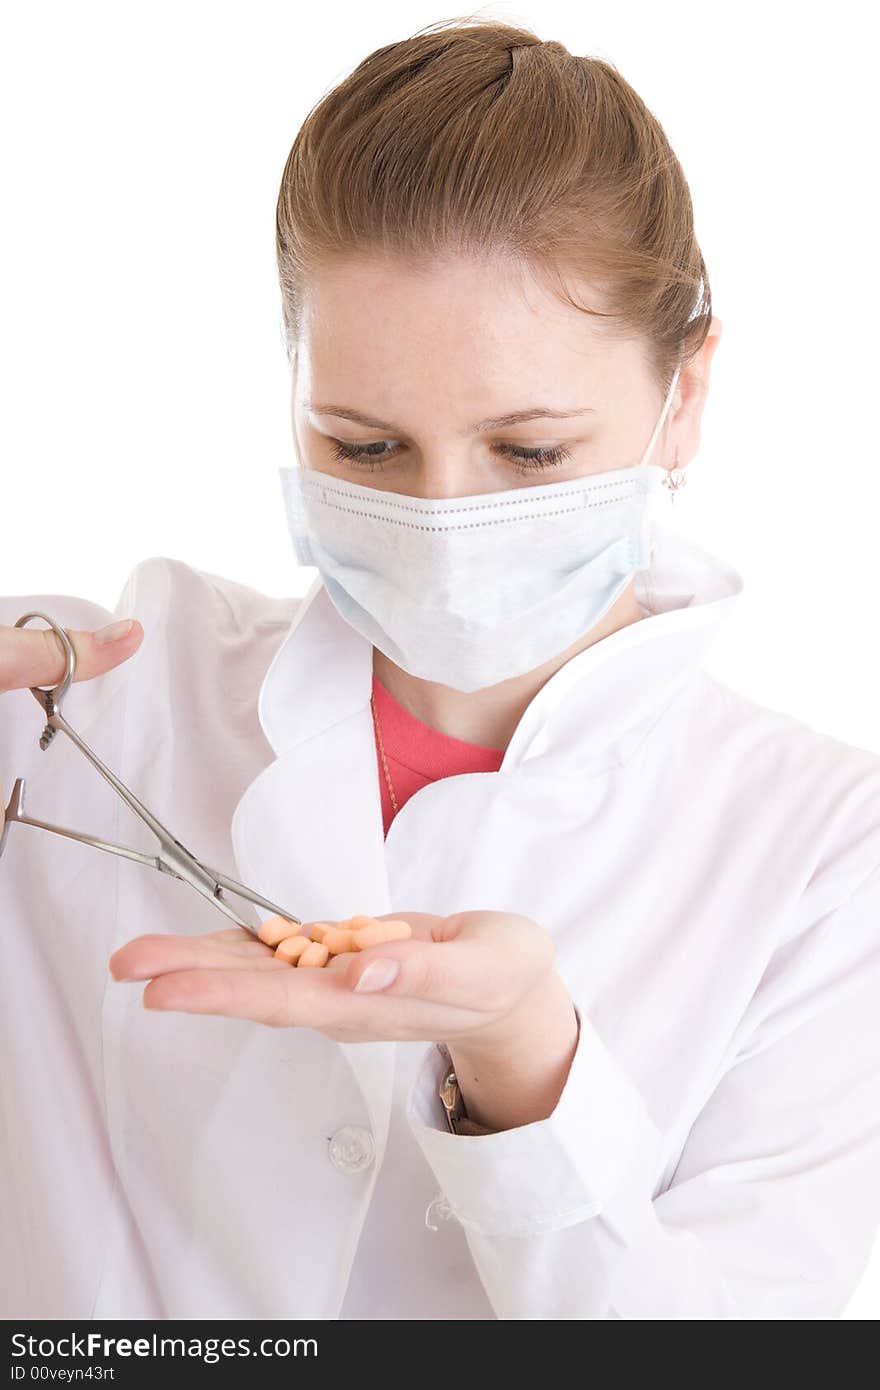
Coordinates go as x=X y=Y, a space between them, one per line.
x=451 y=469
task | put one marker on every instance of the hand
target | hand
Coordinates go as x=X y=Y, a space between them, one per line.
x=32 y=656
x=472 y=978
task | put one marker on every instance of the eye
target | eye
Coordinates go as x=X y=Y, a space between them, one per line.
x=528 y=459
x=362 y=454
x=372 y=456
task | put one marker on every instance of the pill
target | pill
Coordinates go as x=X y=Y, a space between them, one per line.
x=276 y=929
x=382 y=931
x=292 y=947
x=360 y=922
x=337 y=940
x=316 y=953
x=317 y=930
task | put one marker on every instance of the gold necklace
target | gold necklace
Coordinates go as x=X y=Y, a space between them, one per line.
x=382 y=754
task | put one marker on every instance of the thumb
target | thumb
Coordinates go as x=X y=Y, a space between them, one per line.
x=464 y=974
x=32 y=656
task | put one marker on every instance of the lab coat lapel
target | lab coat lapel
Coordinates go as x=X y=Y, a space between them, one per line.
x=597 y=708
x=307 y=832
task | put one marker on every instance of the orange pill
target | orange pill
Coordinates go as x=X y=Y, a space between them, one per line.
x=337 y=940
x=355 y=923
x=316 y=953
x=382 y=931
x=276 y=929
x=317 y=930
x=292 y=947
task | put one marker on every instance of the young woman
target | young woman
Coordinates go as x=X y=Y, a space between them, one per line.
x=627 y=1066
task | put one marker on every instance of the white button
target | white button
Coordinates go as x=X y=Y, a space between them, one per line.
x=352 y=1149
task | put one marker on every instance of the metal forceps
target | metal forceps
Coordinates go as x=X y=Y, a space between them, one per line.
x=173 y=857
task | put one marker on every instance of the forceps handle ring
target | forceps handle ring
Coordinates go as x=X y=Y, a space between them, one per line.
x=51 y=698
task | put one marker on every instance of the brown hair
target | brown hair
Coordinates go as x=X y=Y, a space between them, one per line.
x=483 y=139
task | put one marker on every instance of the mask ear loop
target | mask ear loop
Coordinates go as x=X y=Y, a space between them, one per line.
x=663 y=413
x=653 y=487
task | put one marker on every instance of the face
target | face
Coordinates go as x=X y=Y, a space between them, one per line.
x=409 y=380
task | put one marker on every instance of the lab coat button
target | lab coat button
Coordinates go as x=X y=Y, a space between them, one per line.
x=352 y=1149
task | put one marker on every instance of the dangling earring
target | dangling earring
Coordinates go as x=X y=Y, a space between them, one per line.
x=675 y=478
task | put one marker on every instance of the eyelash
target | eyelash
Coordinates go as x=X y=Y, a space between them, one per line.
x=526 y=460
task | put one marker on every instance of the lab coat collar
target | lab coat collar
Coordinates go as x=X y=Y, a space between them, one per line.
x=592 y=712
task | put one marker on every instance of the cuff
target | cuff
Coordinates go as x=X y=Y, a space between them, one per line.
x=548 y=1174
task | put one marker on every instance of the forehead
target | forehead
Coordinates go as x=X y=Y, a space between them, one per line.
x=461 y=327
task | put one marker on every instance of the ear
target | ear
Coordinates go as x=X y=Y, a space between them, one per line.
x=686 y=412
x=707 y=351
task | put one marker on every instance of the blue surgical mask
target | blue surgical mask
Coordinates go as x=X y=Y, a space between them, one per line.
x=470 y=591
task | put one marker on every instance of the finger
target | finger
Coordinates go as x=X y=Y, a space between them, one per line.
x=151 y=955
x=283 y=997
x=36 y=655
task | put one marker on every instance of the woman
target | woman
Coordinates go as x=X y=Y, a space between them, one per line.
x=645 y=908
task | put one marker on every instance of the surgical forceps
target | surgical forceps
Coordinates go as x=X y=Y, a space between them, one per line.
x=173 y=857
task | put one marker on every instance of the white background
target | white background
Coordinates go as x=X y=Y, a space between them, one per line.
x=144 y=382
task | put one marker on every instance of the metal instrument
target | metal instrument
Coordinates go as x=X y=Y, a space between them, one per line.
x=172 y=857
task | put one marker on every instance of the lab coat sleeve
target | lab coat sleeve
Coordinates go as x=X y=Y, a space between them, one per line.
x=774 y=1203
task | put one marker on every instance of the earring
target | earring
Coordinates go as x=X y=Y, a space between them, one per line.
x=675 y=478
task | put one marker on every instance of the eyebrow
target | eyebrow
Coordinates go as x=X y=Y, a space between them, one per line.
x=532 y=412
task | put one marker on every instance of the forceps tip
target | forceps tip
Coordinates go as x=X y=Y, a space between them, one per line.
x=13 y=810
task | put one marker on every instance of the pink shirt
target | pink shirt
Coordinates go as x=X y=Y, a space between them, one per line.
x=434 y=1269
x=417 y=754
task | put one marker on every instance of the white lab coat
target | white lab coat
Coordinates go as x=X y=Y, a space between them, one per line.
x=708 y=868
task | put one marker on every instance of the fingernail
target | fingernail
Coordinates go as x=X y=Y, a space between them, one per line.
x=377 y=975
x=113 y=631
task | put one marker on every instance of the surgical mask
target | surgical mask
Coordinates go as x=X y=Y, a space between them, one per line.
x=470 y=591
